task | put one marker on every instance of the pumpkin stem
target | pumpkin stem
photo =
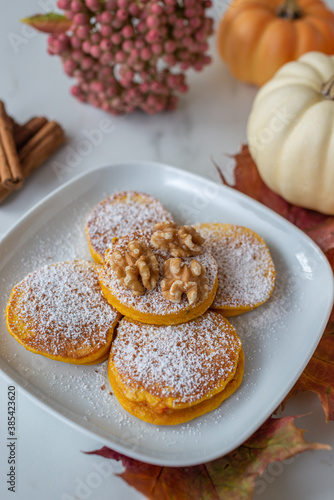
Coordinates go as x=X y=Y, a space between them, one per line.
x=289 y=10
x=328 y=89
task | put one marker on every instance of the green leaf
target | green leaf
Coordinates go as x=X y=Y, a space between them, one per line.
x=48 y=23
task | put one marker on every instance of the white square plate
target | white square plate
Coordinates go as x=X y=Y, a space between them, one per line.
x=278 y=338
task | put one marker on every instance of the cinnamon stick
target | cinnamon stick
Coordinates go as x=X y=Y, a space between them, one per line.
x=51 y=140
x=48 y=129
x=15 y=180
x=23 y=133
x=15 y=126
x=38 y=152
x=5 y=175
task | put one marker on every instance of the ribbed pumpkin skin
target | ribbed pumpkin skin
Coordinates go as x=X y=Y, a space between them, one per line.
x=255 y=42
x=291 y=133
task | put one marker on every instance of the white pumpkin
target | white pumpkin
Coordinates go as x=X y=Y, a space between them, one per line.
x=291 y=132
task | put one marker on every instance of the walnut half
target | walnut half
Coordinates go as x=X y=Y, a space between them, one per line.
x=182 y=241
x=137 y=268
x=180 y=278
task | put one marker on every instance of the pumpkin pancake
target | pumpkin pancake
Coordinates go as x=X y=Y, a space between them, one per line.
x=152 y=306
x=246 y=273
x=168 y=375
x=120 y=214
x=59 y=311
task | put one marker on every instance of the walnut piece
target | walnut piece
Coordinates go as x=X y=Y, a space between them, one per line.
x=137 y=269
x=180 y=278
x=182 y=241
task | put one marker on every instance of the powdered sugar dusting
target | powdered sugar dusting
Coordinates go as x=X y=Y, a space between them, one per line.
x=262 y=324
x=153 y=301
x=267 y=334
x=64 y=308
x=245 y=268
x=121 y=213
x=184 y=361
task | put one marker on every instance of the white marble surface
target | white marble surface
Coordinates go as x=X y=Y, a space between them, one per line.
x=211 y=120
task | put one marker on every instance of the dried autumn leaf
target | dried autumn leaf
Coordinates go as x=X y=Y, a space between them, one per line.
x=318 y=376
x=48 y=23
x=229 y=478
x=249 y=182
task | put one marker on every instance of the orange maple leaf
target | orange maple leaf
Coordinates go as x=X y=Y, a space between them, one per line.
x=231 y=477
x=318 y=376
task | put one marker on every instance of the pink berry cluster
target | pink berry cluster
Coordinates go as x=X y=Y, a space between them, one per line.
x=130 y=54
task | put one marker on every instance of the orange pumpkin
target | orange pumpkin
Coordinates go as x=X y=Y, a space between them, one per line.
x=256 y=37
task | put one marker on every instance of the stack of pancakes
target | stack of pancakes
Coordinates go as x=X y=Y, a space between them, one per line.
x=169 y=360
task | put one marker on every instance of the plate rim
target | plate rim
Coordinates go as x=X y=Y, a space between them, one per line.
x=235 y=194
